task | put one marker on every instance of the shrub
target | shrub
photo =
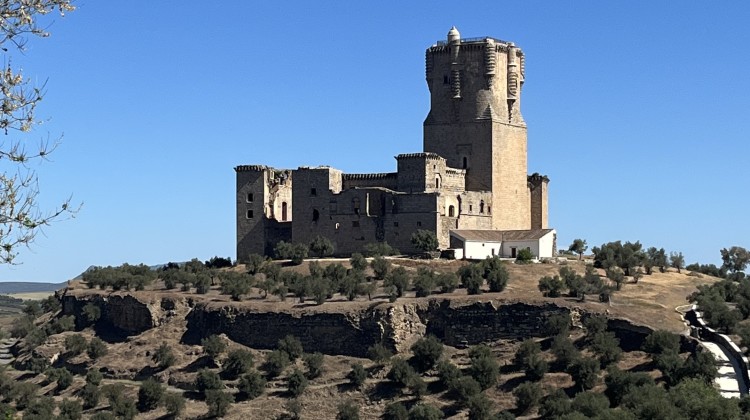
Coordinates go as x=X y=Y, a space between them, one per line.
x=395 y=411
x=347 y=411
x=590 y=404
x=97 y=348
x=424 y=240
x=661 y=341
x=448 y=373
x=75 y=344
x=479 y=407
x=380 y=249
x=526 y=350
x=70 y=410
x=291 y=346
x=24 y=393
x=585 y=372
x=380 y=267
x=416 y=385
x=524 y=256
x=314 y=365
x=276 y=362
x=400 y=371
x=551 y=286
x=555 y=405
x=163 y=356
x=424 y=411
x=207 y=380
x=202 y=283
x=254 y=263
x=466 y=387
x=497 y=278
x=94 y=377
x=213 y=346
x=398 y=279
x=535 y=367
x=296 y=383
x=471 y=278
x=358 y=262
x=218 y=402
x=484 y=370
x=238 y=361
x=62 y=324
x=149 y=395
x=62 y=376
x=427 y=351
x=235 y=284
x=51 y=304
x=564 y=350
x=558 y=324
x=321 y=246
x=90 y=395
x=251 y=385
x=607 y=347
x=424 y=282
x=357 y=375
x=594 y=325
x=447 y=282
x=527 y=395
x=479 y=351
x=378 y=353
x=174 y=403
x=620 y=383
x=218 y=262
x=40 y=408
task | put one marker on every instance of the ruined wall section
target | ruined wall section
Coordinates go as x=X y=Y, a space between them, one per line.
x=381 y=180
x=539 y=202
x=263 y=209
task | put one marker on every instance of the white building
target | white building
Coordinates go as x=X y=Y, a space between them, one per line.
x=479 y=244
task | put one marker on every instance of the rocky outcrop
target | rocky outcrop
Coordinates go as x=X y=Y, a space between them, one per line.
x=120 y=313
x=339 y=332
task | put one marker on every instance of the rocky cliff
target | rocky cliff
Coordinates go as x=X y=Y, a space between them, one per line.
x=349 y=332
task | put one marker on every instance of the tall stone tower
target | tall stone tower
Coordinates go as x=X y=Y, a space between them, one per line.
x=475 y=120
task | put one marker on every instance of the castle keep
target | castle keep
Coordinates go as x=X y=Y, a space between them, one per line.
x=471 y=176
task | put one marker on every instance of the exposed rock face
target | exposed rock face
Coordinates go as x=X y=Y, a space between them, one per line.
x=125 y=313
x=397 y=325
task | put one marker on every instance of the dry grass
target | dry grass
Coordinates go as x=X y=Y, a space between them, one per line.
x=650 y=302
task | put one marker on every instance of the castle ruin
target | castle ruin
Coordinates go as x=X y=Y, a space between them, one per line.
x=472 y=174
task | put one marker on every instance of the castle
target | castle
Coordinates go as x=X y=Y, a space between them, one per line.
x=470 y=181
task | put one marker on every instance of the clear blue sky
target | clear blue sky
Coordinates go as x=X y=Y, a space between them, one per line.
x=637 y=111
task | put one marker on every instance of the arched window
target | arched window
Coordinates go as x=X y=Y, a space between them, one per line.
x=459 y=205
x=451 y=211
x=316 y=215
x=283 y=211
x=481 y=207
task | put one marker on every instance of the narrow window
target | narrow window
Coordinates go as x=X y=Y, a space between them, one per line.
x=470 y=209
x=459 y=204
x=489 y=209
x=451 y=211
x=481 y=207
x=437 y=183
x=395 y=224
x=355 y=205
x=283 y=211
x=446 y=79
x=316 y=215
x=313 y=192
x=250 y=197
x=466 y=163
x=355 y=223
x=249 y=214
x=419 y=224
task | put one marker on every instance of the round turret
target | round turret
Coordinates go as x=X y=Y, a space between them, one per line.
x=453 y=36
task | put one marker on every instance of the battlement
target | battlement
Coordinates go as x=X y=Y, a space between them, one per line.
x=423 y=155
x=536 y=178
x=480 y=39
x=357 y=177
x=251 y=168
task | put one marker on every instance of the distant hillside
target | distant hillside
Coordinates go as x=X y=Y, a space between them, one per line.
x=11 y=287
